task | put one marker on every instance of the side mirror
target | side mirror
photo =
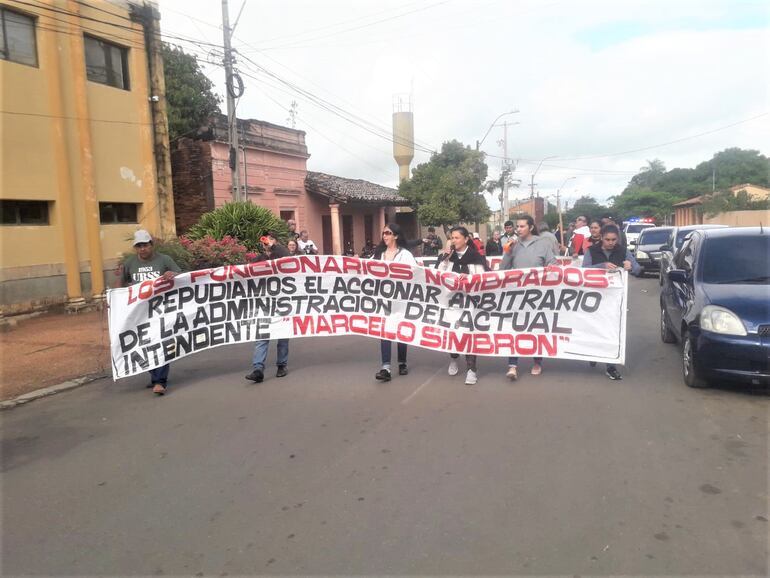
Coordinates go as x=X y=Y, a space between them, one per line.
x=665 y=248
x=678 y=275
x=633 y=242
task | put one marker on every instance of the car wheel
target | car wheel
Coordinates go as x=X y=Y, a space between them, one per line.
x=689 y=371
x=666 y=335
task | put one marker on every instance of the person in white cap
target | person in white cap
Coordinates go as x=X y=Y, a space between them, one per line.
x=144 y=266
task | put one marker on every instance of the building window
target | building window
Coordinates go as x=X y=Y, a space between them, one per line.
x=24 y=212
x=106 y=63
x=17 y=38
x=115 y=213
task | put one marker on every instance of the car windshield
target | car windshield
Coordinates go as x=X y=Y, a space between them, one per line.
x=637 y=228
x=680 y=237
x=737 y=260
x=654 y=236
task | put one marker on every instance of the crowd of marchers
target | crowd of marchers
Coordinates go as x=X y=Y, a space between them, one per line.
x=522 y=244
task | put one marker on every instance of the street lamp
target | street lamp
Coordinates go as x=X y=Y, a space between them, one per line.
x=532 y=180
x=491 y=126
x=558 y=207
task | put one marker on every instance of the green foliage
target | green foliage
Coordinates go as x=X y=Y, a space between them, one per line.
x=724 y=201
x=644 y=202
x=244 y=221
x=177 y=251
x=188 y=92
x=728 y=168
x=585 y=205
x=447 y=189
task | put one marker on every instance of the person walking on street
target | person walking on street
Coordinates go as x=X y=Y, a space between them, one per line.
x=461 y=256
x=273 y=250
x=393 y=248
x=545 y=233
x=595 y=237
x=531 y=250
x=581 y=233
x=509 y=235
x=144 y=266
x=431 y=243
x=494 y=247
x=611 y=255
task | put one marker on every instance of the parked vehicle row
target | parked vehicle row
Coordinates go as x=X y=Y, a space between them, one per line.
x=715 y=300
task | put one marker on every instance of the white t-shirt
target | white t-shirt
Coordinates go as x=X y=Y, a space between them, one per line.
x=303 y=245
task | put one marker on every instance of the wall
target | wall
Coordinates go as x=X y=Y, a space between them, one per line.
x=740 y=219
x=193 y=185
x=72 y=142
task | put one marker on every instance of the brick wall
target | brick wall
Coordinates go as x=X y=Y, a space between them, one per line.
x=193 y=185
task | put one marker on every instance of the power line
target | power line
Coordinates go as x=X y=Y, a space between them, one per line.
x=330 y=107
x=708 y=132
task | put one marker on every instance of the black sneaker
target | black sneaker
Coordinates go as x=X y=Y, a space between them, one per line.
x=382 y=375
x=613 y=373
x=281 y=371
x=257 y=376
x=403 y=369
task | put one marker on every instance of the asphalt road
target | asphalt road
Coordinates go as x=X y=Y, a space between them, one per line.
x=328 y=472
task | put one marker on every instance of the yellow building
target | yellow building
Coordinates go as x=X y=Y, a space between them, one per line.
x=82 y=110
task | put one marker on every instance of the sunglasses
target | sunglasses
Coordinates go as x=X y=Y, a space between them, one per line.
x=387 y=232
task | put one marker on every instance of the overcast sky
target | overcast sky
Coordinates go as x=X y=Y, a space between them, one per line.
x=592 y=80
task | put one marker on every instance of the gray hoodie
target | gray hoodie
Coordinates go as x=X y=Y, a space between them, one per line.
x=534 y=252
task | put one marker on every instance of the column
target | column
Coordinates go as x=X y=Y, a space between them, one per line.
x=336 y=237
x=65 y=208
x=91 y=208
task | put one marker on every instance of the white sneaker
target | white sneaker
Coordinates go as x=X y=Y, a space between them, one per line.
x=453 y=370
x=470 y=377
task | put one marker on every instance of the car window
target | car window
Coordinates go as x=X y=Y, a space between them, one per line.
x=681 y=236
x=683 y=258
x=637 y=228
x=737 y=260
x=653 y=236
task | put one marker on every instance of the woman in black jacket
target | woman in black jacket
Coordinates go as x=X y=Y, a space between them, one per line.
x=462 y=257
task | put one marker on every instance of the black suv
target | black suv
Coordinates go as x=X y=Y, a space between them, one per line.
x=648 y=248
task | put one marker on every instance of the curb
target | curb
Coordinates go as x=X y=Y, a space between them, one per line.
x=51 y=390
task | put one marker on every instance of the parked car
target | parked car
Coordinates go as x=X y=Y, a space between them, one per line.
x=633 y=228
x=716 y=303
x=675 y=239
x=648 y=248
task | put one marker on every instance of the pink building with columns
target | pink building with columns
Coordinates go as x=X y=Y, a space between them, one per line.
x=340 y=214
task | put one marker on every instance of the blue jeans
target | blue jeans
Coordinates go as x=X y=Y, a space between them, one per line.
x=160 y=374
x=515 y=360
x=385 y=351
x=260 y=352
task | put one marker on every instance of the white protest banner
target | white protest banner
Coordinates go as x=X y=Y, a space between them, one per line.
x=563 y=312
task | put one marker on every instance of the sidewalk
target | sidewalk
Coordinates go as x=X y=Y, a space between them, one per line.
x=52 y=349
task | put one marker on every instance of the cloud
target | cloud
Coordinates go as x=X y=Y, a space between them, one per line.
x=590 y=79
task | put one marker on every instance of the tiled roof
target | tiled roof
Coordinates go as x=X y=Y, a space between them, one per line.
x=352 y=190
x=688 y=202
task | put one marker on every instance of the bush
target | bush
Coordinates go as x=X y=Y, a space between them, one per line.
x=177 y=251
x=209 y=252
x=244 y=221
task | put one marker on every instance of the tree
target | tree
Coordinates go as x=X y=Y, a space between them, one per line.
x=644 y=202
x=447 y=190
x=585 y=205
x=648 y=176
x=188 y=92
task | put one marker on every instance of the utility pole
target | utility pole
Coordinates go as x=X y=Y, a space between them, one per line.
x=232 y=121
x=506 y=208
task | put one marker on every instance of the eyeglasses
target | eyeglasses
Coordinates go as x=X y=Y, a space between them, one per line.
x=387 y=232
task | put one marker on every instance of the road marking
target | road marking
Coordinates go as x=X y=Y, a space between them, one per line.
x=419 y=389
